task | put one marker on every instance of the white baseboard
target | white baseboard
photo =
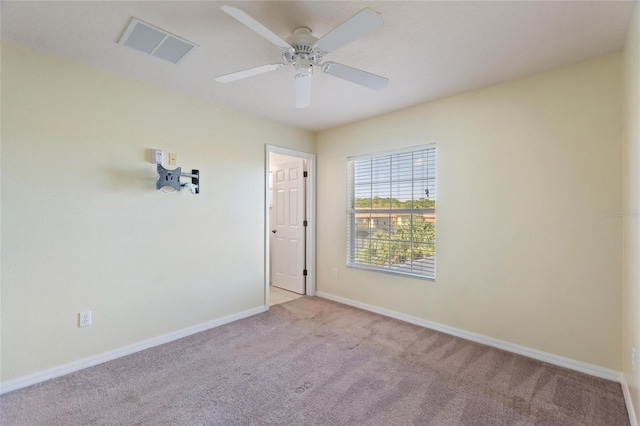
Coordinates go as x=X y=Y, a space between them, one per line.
x=32 y=379
x=629 y=402
x=572 y=364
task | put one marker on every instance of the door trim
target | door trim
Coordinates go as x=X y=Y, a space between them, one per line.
x=310 y=232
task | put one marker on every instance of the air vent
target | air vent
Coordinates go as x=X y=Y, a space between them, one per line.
x=156 y=42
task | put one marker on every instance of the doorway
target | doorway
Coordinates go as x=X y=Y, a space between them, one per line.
x=289 y=224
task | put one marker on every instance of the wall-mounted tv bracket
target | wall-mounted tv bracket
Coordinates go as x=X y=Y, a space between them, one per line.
x=172 y=178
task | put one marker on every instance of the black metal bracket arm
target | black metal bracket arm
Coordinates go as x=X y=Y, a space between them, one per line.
x=195 y=180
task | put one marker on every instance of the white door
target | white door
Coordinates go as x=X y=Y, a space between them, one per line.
x=288 y=231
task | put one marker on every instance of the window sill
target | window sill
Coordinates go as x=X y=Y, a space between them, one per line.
x=391 y=272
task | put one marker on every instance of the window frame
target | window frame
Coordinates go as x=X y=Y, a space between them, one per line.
x=429 y=273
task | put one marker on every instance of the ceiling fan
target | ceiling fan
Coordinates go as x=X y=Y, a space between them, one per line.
x=304 y=51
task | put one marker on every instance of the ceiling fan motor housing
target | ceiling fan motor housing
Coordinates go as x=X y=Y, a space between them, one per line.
x=304 y=54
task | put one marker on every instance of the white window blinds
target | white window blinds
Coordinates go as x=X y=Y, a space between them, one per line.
x=391 y=212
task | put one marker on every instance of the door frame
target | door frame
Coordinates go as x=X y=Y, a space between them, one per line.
x=310 y=232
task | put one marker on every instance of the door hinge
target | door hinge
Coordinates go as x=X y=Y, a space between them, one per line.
x=305 y=174
x=305 y=223
x=304 y=272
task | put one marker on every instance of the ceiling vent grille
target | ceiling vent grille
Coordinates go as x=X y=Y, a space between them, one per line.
x=156 y=42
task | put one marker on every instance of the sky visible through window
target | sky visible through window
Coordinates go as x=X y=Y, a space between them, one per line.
x=393 y=182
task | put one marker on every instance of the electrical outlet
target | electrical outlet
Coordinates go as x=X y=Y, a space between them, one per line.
x=157 y=156
x=84 y=319
x=335 y=272
x=633 y=359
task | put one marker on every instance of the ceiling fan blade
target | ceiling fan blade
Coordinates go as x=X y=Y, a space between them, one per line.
x=359 y=25
x=355 y=75
x=248 y=72
x=256 y=26
x=303 y=90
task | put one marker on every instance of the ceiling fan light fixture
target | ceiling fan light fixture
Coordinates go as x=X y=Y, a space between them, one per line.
x=303 y=68
x=303 y=90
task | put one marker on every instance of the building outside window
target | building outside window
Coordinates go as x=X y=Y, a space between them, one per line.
x=391 y=212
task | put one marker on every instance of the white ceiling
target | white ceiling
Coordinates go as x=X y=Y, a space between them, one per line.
x=428 y=50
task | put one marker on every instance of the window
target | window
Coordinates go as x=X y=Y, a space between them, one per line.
x=391 y=212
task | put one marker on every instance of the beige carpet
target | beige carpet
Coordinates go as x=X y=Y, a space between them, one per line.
x=315 y=362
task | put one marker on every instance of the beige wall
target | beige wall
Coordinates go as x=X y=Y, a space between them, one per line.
x=526 y=171
x=526 y=252
x=631 y=206
x=84 y=229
